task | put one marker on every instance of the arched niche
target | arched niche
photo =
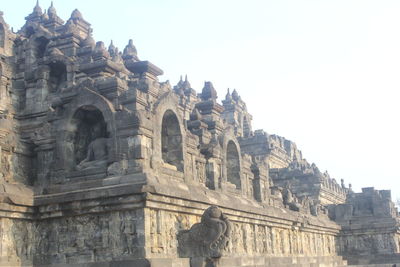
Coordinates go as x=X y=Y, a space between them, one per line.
x=40 y=45
x=233 y=165
x=86 y=106
x=29 y=31
x=171 y=140
x=57 y=76
x=2 y=35
x=88 y=124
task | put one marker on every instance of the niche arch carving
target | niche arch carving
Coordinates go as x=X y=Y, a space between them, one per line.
x=166 y=111
x=171 y=140
x=90 y=138
x=87 y=133
x=232 y=161
x=39 y=45
x=233 y=165
x=60 y=70
x=39 y=40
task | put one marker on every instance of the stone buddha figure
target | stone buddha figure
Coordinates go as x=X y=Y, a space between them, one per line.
x=97 y=152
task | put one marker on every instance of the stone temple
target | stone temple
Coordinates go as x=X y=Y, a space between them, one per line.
x=103 y=165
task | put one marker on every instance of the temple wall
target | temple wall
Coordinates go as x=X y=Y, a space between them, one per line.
x=369 y=227
x=90 y=238
x=368 y=243
x=250 y=237
x=253 y=234
x=9 y=242
x=116 y=234
x=16 y=242
x=80 y=228
x=102 y=165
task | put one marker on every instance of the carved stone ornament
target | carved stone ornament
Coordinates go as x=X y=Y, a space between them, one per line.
x=208 y=238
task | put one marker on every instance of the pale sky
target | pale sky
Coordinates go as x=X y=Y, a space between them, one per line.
x=324 y=74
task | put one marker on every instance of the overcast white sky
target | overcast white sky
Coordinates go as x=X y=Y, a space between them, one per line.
x=324 y=74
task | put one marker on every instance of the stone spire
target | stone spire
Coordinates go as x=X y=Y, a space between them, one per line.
x=78 y=25
x=130 y=51
x=52 y=11
x=37 y=9
x=183 y=86
x=228 y=96
x=210 y=110
x=235 y=95
x=45 y=16
x=53 y=20
x=76 y=15
x=36 y=13
x=112 y=49
x=117 y=57
x=186 y=83
x=178 y=88
x=180 y=83
x=100 y=51
x=208 y=92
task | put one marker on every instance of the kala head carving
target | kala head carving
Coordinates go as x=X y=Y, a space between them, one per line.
x=209 y=237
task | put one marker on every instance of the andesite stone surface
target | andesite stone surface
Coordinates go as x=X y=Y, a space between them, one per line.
x=104 y=165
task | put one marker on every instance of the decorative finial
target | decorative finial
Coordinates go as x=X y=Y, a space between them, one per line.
x=235 y=95
x=76 y=15
x=117 y=57
x=208 y=92
x=179 y=85
x=45 y=16
x=130 y=51
x=186 y=84
x=52 y=11
x=112 y=49
x=100 y=51
x=100 y=47
x=228 y=96
x=37 y=9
